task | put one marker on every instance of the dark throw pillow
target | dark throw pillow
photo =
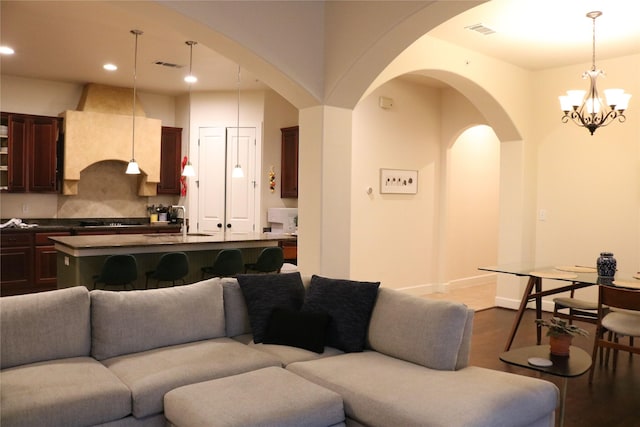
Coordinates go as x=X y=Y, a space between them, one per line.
x=297 y=329
x=349 y=305
x=264 y=292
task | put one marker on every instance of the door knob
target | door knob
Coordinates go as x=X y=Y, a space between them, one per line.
x=228 y=225
x=219 y=225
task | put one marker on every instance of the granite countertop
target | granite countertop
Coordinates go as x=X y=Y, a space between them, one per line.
x=147 y=243
x=76 y=224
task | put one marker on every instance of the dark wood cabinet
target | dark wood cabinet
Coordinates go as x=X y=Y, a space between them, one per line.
x=45 y=262
x=289 y=163
x=170 y=160
x=16 y=263
x=32 y=153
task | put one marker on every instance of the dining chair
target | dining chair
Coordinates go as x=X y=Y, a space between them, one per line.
x=171 y=267
x=573 y=308
x=618 y=316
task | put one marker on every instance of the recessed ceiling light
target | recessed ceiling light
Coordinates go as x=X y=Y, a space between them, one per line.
x=6 y=50
x=110 y=67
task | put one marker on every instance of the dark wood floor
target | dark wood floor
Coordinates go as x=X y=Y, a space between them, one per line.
x=613 y=399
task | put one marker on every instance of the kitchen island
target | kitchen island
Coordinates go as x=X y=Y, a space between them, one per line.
x=79 y=258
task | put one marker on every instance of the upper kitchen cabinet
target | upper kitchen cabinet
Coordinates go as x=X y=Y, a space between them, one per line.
x=32 y=146
x=4 y=152
x=289 y=164
x=170 y=166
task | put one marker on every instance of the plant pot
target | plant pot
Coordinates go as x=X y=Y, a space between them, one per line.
x=559 y=344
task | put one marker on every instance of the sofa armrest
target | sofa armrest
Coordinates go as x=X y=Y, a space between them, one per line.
x=431 y=333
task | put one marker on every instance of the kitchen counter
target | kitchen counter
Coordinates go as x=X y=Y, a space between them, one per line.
x=80 y=258
x=79 y=246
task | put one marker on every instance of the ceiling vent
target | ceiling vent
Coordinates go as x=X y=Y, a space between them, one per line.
x=480 y=28
x=168 y=64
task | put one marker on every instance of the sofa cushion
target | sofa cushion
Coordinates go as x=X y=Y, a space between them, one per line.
x=134 y=321
x=44 y=326
x=264 y=292
x=297 y=329
x=65 y=392
x=348 y=303
x=380 y=390
x=265 y=397
x=151 y=374
x=423 y=331
x=236 y=316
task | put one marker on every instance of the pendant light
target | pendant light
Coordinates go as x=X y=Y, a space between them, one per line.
x=188 y=169
x=237 y=170
x=132 y=167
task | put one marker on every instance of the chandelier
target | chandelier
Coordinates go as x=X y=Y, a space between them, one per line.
x=587 y=109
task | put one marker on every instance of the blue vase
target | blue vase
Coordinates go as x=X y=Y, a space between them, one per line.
x=606 y=264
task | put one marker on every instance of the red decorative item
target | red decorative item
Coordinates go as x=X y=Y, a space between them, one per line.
x=183 y=179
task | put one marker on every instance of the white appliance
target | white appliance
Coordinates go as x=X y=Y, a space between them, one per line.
x=282 y=220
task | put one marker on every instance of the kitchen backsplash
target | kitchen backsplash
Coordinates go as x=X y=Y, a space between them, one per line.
x=104 y=191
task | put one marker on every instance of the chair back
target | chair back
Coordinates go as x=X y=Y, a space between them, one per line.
x=270 y=259
x=228 y=263
x=119 y=270
x=172 y=266
x=616 y=297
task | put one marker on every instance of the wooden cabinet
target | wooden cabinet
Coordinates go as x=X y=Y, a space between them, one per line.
x=4 y=152
x=45 y=261
x=32 y=164
x=170 y=160
x=289 y=164
x=290 y=250
x=16 y=263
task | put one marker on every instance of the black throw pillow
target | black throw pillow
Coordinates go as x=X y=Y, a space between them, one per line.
x=297 y=329
x=348 y=303
x=264 y=292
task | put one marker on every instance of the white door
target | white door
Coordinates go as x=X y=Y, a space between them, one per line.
x=241 y=192
x=226 y=204
x=211 y=180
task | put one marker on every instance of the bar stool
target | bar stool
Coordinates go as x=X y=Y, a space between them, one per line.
x=171 y=267
x=270 y=260
x=117 y=270
x=228 y=263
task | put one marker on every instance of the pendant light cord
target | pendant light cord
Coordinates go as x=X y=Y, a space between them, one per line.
x=238 y=124
x=135 y=72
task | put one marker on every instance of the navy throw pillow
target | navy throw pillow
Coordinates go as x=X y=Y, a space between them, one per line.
x=297 y=329
x=349 y=304
x=264 y=292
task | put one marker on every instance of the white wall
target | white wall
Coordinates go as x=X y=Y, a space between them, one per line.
x=471 y=204
x=394 y=236
x=450 y=227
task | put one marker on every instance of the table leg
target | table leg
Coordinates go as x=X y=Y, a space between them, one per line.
x=538 y=284
x=533 y=281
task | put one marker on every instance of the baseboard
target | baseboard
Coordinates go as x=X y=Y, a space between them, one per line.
x=466 y=282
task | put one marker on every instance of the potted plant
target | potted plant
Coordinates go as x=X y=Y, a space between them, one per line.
x=560 y=333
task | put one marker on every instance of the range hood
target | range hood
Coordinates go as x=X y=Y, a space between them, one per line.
x=101 y=129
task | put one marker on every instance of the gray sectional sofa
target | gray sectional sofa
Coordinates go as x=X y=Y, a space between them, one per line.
x=71 y=357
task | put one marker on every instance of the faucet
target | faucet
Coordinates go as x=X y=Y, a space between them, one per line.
x=184 y=219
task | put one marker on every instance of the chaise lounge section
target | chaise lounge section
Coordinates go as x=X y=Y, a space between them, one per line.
x=77 y=358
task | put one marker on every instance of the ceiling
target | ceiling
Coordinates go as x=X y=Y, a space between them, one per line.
x=69 y=41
